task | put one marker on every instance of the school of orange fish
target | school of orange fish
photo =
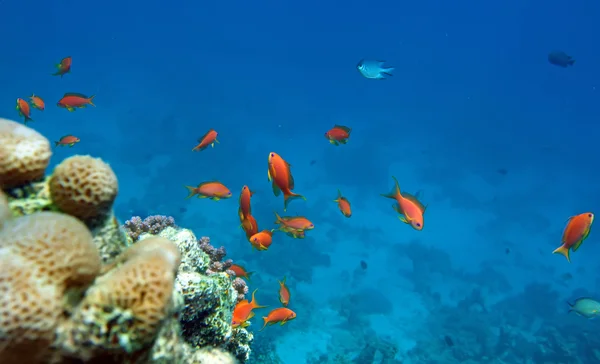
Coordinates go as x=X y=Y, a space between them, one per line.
x=409 y=208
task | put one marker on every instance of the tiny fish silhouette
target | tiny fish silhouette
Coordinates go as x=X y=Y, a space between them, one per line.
x=373 y=69
x=561 y=59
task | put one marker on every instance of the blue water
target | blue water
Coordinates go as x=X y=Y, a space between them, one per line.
x=502 y=144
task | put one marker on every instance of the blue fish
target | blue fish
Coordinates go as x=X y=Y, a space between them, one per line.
x=373 y=69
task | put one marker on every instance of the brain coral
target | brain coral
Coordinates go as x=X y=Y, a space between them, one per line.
x=24 y=154
x=42 y=256
x=84 y=187
x=124 y=309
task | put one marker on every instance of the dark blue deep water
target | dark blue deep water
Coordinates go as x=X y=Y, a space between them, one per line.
x=502 y=145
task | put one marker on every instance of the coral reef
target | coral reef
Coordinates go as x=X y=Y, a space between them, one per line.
x=154 y=224
x=76 y=287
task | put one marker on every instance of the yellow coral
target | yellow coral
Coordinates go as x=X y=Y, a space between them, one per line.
x=41 y=256
x=4 y=209
x=83 y=187
x=24 y=154
x=126 y=307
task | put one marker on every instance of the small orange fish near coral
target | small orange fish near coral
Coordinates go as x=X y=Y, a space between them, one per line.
x=24 y=110
x=69 y=140
x=280 y=315
x=281 y=176
x=577 y=230
x=208 y=139
x=213 y=190
x=243 y=311
x=37 y=102
x=409 y=207
x=284 y=293
x=343 y=205
x=240 y=271
x=339 y=134
x=245 y=196
x=262 y=240
x=63 y=67
x=293 y=223
x=73 y=100
x=249 y=225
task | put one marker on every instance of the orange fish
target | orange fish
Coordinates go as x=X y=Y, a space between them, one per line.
x=63 y=67
x=73 y=100
x=293 y=223
x=37 y=102
x=577 y=230
x=284 y=293
x=209 y=139
x=243 y=311
x=249 y=226
x=409 y=207
x=279 y=315
x=339 y=134
x=69 y=140
x=24 y=110
x=214 y=190
x=280 y=174
x=262 y=240
x=343 y=204
x=245 y=196
x=240 y=271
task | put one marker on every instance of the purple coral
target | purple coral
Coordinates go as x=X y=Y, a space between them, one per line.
x=240 y=287
x=217 y=265
x=154 y=224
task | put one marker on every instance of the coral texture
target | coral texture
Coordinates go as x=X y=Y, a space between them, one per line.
x=165 y=299
x=154 y=224
x=24 y=154
x=84 y=187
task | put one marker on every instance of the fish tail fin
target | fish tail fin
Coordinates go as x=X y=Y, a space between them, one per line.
x=191 y=190
x=570 y=307
x=388 y=71
x=571 y=62
x=253 y=302
x=395 y=192
x=278 y=219
x=56 y=144
x=282 y=282
x=287 y=197
x=248 y=275
x=564 y=251
x=27 y=119
x=91 y=100
x=266 y=321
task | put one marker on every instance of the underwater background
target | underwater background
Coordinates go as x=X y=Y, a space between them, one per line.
x=500 y=143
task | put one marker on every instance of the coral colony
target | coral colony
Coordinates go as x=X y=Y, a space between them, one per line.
x=75 y=288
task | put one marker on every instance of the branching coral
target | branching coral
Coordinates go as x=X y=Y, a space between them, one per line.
x=154 y=224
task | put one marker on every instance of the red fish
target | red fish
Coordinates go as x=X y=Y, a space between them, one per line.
x=293 y=223
x=73 y=100
x=262 y=240
x=209 y=139
x=577 y=230
x=409 y=207
x=249 y=226
x=24 y=110
x=343 y=205
x=63 y=67
x=240 y=271
x=69 y=140
x=214 y=190
x=280 y=174
x=37 y=102
x=284 y=293
x=243 y=311
x=339 y=134
x=279 y=315
x=245 y=196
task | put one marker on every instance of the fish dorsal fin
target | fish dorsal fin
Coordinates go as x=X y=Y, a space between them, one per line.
x=291 y=179
x=414 y=200
x=76 y=94
x=344 y=128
